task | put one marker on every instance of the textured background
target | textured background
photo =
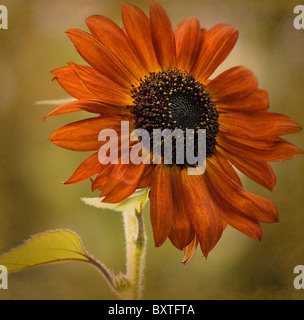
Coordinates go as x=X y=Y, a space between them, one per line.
x=32 y=198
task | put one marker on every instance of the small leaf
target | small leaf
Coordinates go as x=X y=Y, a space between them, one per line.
x=130 y=204
x=45 y=248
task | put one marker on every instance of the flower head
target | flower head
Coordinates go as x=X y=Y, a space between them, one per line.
x=155 y=78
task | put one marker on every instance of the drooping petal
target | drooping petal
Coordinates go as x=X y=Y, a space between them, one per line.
x=259 y=171
x=188 y=40
x=216 y=46
x=257 y=101
x=87 y=169
x=235 y=83
x=122 y=182
x=235 y=218
x=161 y=208
x=181 y=233
x=71 y=83
x=190 y=250
x=137 y=26
x=162 y=36
x=250 y=205
x=94 y=53
x=117 y=43
x=204 y=216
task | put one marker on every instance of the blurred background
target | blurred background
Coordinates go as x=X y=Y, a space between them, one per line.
x=33 y=200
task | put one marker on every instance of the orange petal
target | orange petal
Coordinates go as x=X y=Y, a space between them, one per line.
x=94 y=53
x=235 y=83
x=117 y=43
x=256 y=101
x=259 y=171
x=122 y=182
x=137 y=26
x=188 y=40
x=105 y=89
x=190 y=250
x=87 y=169
x=272 y=149
x=71 y=83
x=204 y=216
x=181 y=233
x=163 y=36
x=258 y=125
x=94 y=106
x=235 y=218
x=250 y=205
x=161 y=209
x=83 y=135
x=216 y=46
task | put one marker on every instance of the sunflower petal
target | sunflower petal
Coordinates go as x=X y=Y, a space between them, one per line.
x=256 y=101
x=95 y=54
x=188 y=39
x=250 y=205
x=190 y=250
x=137 y=26
x=204 y=216
x=235 y=83
x=163 y=36
x=216 y=46
x=117 y=43
x=161 y=210
x=71 y=83
x=181 y=233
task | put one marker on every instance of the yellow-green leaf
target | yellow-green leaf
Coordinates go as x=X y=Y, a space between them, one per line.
x=45 y=248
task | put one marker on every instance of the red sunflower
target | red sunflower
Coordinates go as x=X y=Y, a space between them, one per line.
x=153 y=77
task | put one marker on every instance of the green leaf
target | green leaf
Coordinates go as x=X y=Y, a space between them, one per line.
x=45 y=248
x=135 y=201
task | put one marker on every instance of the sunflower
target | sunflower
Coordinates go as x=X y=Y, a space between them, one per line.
x=153 y=77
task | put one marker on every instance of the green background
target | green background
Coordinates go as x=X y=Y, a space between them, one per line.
x=33 y=200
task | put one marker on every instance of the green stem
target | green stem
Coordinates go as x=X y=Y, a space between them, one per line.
x=136 y=249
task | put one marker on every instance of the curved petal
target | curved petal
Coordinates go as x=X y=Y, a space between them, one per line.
x=181 y=233
x=122 y=182
x=250 y=205
x=117 y=43
x=204 y=216
x=161 y=208
x=137 y=26
x=216 y=46
x=259 y=171
x=87 y=169
x=190 y=250
x=188 y=40
x=95 y=54
x=162 y=36
x=235 y=83
x=71 y=83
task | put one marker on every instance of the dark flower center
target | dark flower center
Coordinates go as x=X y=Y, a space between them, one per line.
x=175 y=100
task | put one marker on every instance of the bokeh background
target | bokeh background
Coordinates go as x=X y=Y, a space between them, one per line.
x=33 y=200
